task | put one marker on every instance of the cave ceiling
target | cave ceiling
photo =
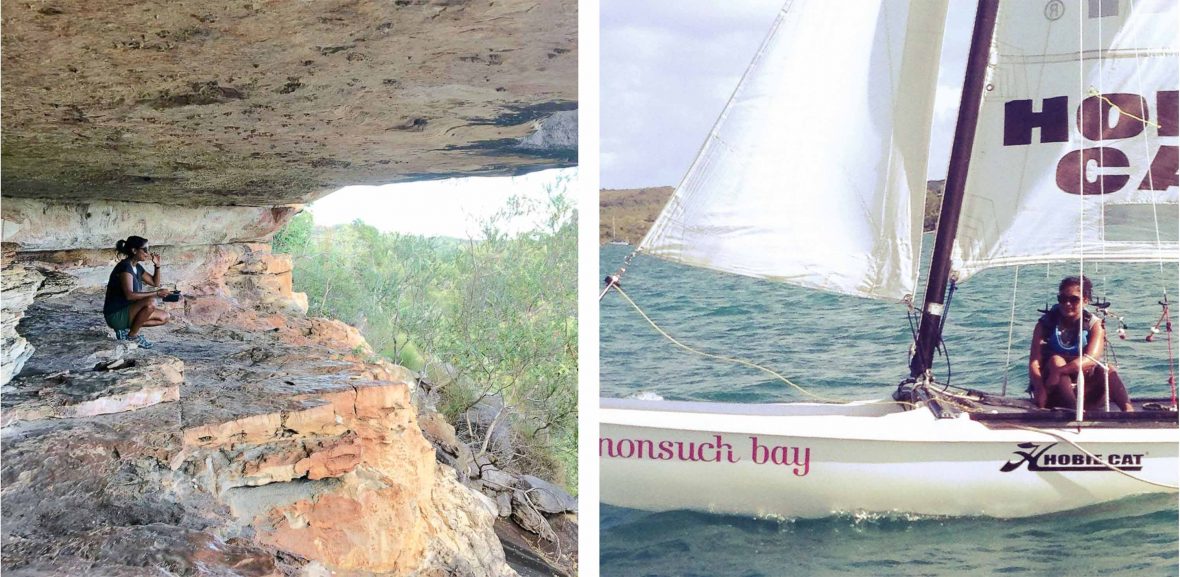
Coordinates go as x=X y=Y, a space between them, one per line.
x=280 y=101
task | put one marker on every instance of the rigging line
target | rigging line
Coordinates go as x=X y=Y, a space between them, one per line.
x=613 y=280
x=1095 y=457
x=1166 y=320
x=1155 y=218
x=946 y=308
x=1080 y=407
x=909 y=316
x=723 y=358
x=1154 y=203
x=1094 y=92
x=946 y=354
x=1101 y=153
x=1106 y=347
x=946 y=313
x=1166 y=317
x=1101 y=238
x=1107 y=352
x=1171 y=363
x=1011 y=326
x=1156 y=222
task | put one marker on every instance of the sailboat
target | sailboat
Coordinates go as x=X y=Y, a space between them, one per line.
x=1068 y=121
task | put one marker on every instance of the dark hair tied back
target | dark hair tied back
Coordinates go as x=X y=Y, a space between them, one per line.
x=129 y=246
x=1081 y=281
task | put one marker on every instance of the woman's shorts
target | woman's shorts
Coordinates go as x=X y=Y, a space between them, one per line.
x=120 y=319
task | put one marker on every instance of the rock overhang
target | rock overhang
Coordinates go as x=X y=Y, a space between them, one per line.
x=275 y=102
x=196 y=124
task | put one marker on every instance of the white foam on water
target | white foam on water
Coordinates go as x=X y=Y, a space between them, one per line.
x=646 y=396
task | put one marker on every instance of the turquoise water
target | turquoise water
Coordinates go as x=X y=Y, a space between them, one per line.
x=851 y=348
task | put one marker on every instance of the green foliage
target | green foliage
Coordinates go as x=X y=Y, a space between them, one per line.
x=292 y=239
x=499 y=315
x=934 y=190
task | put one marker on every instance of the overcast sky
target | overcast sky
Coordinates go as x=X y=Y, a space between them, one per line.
x=668 y=67
x=453 y=207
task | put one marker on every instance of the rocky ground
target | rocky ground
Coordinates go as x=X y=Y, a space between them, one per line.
x=266 y=444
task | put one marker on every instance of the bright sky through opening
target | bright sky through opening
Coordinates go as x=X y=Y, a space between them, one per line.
x=453 y=207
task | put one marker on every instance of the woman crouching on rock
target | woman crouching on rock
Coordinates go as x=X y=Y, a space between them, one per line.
x=128 y=307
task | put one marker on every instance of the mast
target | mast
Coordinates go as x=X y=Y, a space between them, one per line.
x=930 y=327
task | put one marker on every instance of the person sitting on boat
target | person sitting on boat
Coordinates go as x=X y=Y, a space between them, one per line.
x=1058 y=355
x=128 y=307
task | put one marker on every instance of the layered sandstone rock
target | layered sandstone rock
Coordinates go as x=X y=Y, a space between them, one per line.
x=281 y=442
x=19 y=286
x=114 y=386
x=276 y=452
x=41 y=225
x=206 y=251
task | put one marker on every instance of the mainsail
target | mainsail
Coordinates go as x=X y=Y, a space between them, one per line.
x=815 y=172
x=1075 y=156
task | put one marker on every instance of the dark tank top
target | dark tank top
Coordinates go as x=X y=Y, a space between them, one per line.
x=116 y=299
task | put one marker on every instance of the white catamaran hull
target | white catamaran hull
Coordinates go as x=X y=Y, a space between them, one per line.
x=805 y=460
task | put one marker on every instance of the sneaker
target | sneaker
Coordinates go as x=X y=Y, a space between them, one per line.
x=121 y=334
x=143 y=343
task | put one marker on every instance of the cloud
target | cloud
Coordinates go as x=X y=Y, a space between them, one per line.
x=668 y=68
x=952 y=65
x=942 y=129
x=666 y=71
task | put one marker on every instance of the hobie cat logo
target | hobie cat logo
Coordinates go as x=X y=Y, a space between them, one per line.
x=1118 y=130
x=1039 y=458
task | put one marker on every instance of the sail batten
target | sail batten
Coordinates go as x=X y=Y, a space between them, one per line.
x=812 y=177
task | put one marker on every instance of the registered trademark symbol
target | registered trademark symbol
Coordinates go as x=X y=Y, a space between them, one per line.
x=1054 y=10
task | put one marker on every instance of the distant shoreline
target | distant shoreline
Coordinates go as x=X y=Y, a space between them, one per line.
x=625 y=214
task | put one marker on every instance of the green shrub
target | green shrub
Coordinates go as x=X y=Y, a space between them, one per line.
x=499 y=313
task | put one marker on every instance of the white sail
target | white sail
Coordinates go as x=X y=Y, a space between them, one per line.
x=1058 y=173
x=815 y=172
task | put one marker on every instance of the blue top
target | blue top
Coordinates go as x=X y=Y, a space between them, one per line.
x=116 y=299
x=1065 y=342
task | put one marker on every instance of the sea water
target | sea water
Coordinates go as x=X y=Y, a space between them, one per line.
x=848 y=348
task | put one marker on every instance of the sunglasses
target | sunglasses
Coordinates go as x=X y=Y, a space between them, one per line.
x=1071 y=299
